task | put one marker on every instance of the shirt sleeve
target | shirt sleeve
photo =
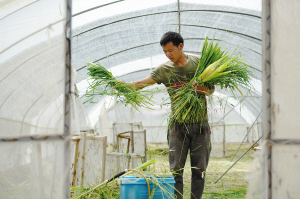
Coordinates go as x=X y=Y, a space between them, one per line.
x=157 y=75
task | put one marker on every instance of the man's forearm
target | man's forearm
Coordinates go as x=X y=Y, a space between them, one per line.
x=135 y=85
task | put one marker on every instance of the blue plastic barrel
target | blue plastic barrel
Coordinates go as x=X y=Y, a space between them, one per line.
x=136 y=188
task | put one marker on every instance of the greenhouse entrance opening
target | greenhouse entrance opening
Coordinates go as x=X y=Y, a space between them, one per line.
x=76 y=121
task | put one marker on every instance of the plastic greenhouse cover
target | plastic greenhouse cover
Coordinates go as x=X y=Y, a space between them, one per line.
x=20 y=33
x=32 y=63
x=116 y=31
x=32 y=83
x=132 y=36
x=118 y=7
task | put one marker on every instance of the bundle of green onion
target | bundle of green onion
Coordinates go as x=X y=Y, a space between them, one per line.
x=215 y=67
x=104 y=83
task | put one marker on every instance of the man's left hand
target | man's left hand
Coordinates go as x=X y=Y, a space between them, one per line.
x=202 y=89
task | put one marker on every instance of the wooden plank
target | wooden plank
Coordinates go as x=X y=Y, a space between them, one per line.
x=104 y=157
x=83 y=157
x=75 y=161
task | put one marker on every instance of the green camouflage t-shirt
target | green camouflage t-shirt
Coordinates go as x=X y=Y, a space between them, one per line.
x=173 y=76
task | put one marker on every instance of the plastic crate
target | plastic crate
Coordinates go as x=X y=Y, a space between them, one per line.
x=136 y=188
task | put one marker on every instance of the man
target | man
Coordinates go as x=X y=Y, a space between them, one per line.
x=182 y=137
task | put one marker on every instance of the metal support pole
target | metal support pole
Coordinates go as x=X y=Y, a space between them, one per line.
x=245 y=136
x=266 y=100
x=237 y=160
x=178 y=4
x=67 y=107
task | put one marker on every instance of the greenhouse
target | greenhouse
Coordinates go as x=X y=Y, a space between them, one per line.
x=59 y=139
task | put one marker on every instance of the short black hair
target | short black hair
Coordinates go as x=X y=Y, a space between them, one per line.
x=174 y=37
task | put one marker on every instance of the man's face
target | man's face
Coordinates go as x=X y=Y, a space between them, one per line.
x=173 y=52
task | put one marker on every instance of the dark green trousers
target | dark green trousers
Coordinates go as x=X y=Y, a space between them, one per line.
x=196 y=138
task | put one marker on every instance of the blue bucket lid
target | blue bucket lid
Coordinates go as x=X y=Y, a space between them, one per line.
x=135 y=180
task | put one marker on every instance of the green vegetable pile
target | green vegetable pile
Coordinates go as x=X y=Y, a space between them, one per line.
x=215 y=67
x=104 y=83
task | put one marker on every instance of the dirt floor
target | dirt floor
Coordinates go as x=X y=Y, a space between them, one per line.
x=232 y=185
